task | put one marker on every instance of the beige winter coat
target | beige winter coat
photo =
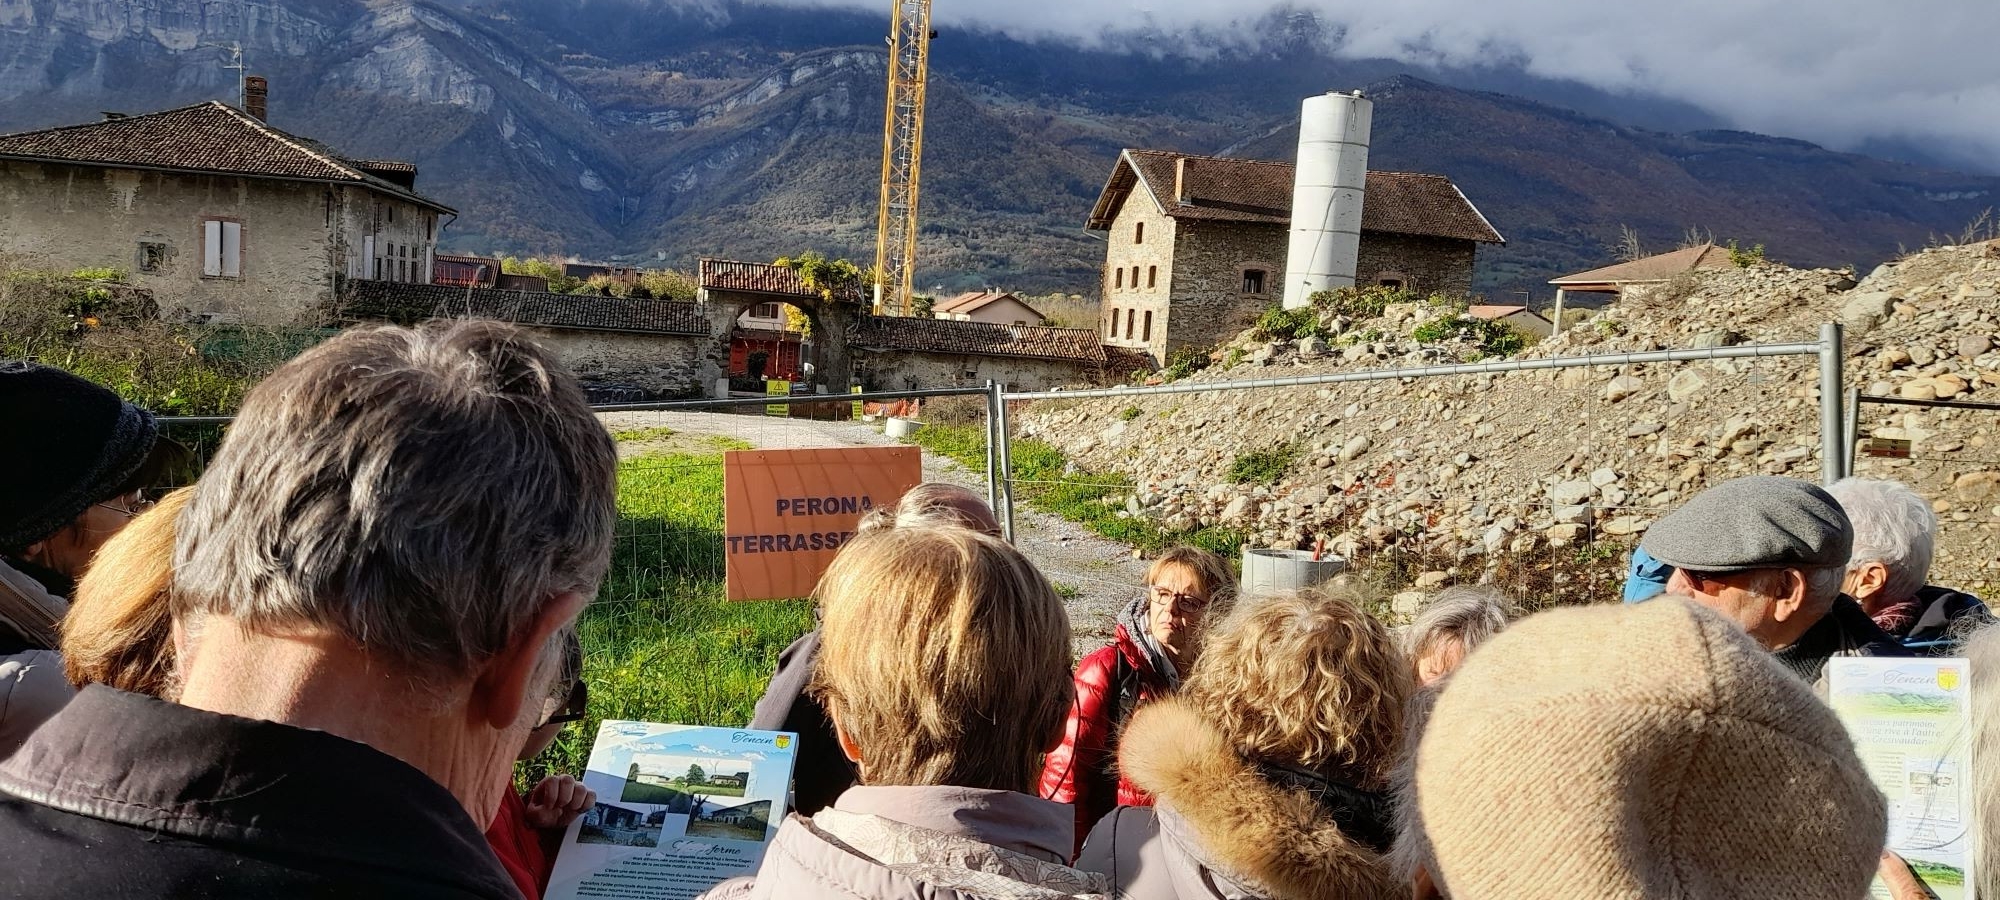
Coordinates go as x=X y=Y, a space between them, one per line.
x=1219 y=830
x=922 y=843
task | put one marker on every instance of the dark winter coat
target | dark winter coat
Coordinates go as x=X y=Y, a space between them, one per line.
x=820 y=771
x=122 y=796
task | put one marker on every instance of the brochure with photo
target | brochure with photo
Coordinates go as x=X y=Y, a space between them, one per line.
x=679 y=809
x=1911 y=720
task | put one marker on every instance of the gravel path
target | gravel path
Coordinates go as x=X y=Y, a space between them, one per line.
x=1097 y=576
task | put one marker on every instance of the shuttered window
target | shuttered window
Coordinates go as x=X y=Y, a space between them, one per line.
x=222 y=249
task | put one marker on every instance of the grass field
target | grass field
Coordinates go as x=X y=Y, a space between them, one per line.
x=1040 y=480
x=660 y=644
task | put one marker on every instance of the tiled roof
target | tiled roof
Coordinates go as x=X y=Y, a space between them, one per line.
x=402 y=303
x=974 y=300
x=1659 y=267
x=211 y=137
x=1251 y=190
x=978 y=338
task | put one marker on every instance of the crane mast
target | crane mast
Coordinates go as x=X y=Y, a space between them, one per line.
x=902 y=154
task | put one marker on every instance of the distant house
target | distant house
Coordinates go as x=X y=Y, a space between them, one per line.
x=213 y=211
x=1523 y=319
x=531 y=283
x=1600 y=286
x=587 y=271
x=756 y=813
x=1197 y=244
x=764 y=329
x=604 y=815
x=466 y=271
x=991 y=307
x=734 y=781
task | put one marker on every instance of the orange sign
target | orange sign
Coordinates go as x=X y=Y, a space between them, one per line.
x=787 y=512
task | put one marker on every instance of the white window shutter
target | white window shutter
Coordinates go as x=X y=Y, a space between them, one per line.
x=211 y=248
x=232 y=249
x=368 y=257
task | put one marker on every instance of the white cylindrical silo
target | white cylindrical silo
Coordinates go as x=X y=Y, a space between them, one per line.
x=1327 y=195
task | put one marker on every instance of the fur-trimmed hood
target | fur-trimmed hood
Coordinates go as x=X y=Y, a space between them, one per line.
x=1271 y=840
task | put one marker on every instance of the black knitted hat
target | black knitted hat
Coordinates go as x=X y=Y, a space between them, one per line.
x=69 y=443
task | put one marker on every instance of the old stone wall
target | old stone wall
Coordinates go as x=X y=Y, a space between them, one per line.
x=1209 y=305
x=908 y=370
x=665 y=366
x=1427 y=265
x=1138 y=275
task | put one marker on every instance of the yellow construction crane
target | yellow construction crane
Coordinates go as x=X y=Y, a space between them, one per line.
x=902 y=154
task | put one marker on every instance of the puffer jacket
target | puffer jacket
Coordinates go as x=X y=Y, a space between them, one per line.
x=922 y=843
x=1222 y=830
x=1082 y=771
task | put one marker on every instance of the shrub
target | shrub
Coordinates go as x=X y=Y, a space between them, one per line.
x=1184 y=362
x=1745 y=258
x=1129 y=413
x=1262 y=466
x=1280 y=324
x=1362 y=303
x=1492 y=338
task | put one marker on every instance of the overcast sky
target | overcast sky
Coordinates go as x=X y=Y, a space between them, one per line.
x=1832 y=71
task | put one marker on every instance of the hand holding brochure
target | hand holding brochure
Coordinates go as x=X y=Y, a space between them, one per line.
x=1911 y=721
x=679 y=809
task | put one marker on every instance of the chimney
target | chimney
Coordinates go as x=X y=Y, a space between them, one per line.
x=1180 y=179
x=1326 y=195
x=257 y=97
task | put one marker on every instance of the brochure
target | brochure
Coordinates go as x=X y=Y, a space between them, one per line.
x=1911 y=720
x=680 y=808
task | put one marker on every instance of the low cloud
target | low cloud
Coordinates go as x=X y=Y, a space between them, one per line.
x=1839 y=72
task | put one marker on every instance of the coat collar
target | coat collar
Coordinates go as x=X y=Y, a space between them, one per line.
x=235 y=782
x=1005 y=819
x=1274 y=839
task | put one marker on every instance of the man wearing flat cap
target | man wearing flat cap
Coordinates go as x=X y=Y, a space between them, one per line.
x=1769 y=554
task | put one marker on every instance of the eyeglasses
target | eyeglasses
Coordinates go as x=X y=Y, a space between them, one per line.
x=572 y=709
x=1187 y=604
x=130 y=511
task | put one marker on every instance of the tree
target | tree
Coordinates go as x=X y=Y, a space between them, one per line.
x=827 y=276
x=797 y=320
x=545 y=268
x=696 y=775
x=921 y=306
x=1629 y=247
x=632 y=774
x=670 y=284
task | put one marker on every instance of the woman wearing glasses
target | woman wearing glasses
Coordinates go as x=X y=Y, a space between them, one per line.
x=71 y=469
x=1155 y=643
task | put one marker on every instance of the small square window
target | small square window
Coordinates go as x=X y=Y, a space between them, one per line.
x=1253 y=281
x=153 y=257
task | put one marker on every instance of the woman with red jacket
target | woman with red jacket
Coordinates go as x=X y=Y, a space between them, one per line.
x=1155 y=643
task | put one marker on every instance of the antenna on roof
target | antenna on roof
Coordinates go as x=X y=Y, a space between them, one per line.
x=235 y=49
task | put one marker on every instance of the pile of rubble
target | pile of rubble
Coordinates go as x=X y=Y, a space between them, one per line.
x=1475 y=469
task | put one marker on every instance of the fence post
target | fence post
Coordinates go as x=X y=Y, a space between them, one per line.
x=993 y=404
x=1832 y=394
x=1006 y=461
x=1851 y=434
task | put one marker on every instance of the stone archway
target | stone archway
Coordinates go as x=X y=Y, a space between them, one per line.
x=731 y=288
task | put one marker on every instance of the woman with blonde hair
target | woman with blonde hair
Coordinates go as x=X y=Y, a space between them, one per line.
x=1155 y=642
x=119 y=630
x=1270 y=768
x=944 y=663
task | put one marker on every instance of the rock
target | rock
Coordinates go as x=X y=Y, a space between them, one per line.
x=1921 y=354
x=1976 y=486
x=1133 y=506
x=1524 y=544
x=1625 y=525
x=1684 y=385
x=1621 y=387
x=1572 y=493
x=1406 y=603
x=1644 y=429
x=1236 y=508
x=1313 y=347
x=1354 y=447
x=1494 y=539
x=1918 y=389
x=1972 y=345
x=1564 y=534
x=1603 y=478
x=1572 y=515
x=1949 y=385
x=1867 y=307
x=1708 y=340
x=1312 y=496
x=1427 y=580
x=1892 y=358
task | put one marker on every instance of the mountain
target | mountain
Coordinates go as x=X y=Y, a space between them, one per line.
x=670 y=129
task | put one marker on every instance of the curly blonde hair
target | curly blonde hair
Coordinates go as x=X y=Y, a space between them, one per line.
x=1306 y=679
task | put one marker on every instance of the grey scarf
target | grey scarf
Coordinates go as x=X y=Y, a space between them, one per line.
x=1134 y=620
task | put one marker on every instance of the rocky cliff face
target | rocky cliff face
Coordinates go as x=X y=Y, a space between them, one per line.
x=1475 y=475
x=666 y=130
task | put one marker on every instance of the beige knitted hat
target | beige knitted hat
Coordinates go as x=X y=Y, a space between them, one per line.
x=1642 y=751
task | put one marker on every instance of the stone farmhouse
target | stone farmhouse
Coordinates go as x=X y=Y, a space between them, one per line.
x=218 y=215
x=1197 y=244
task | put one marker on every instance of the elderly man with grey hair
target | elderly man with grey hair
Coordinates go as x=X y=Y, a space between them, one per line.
x=1769 y=554
x=373 y=582
x=1895 y=534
